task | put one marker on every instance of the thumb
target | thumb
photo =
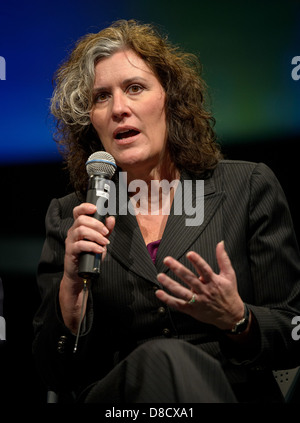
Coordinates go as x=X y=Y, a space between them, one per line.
x=223 y=259
x=110 y=223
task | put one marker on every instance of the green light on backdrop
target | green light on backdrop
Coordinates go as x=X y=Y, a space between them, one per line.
x=246 y=48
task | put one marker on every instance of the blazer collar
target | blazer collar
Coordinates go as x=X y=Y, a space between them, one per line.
x=127 y=244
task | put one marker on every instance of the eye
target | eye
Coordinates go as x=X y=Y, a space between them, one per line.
x=101 y=97
x=135 y=89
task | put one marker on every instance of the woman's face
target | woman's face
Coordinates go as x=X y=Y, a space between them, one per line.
x=129 y=112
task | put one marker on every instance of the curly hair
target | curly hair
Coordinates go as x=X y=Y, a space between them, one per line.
x=190 y=136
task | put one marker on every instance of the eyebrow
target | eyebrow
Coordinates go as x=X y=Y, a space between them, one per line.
x=125 y=82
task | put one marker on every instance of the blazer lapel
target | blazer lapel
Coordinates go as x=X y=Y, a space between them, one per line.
x=126 y=242
x=178 y=236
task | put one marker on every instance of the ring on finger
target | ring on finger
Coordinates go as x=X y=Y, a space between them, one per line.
x=192 y=300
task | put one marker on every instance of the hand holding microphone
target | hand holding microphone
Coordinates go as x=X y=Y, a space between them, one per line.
x=100 y=167
x=87 y=237
x=86 y=240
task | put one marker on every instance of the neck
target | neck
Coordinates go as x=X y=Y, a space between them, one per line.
x=154 y=198
x=165 y=170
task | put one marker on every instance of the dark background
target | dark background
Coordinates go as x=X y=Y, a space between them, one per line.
x=246 y=49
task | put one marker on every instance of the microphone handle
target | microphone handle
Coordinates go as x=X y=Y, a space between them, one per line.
x=98 y=194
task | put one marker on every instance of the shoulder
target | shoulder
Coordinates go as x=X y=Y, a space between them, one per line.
x=242 y=166
x=65 y=205
x=239 y=170
x=245 y=180
x=68 y=202
x=250 y=182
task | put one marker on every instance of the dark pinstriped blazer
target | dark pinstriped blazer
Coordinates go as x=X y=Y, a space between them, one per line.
x=245 y=206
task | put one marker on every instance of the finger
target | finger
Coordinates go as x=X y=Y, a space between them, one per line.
x=89 y=234
x=186 y=275
x=84 y=208
x=84 y=246
x=169 y=300
x=203 y=269
x=92 y=223
x=178 y=290
x=223 y=259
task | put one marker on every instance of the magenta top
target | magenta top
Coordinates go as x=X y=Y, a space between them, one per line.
x=152 y=247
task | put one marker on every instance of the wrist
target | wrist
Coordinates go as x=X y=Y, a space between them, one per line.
x=71 y=286
x=242 y=325
x=71 y=302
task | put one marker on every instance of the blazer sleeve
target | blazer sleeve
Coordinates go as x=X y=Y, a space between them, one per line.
x=274 y=261
x=53 y=342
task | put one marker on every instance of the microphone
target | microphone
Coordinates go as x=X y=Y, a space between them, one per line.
x=100 y=167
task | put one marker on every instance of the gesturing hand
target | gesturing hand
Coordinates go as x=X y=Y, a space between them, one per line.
x=212 y=298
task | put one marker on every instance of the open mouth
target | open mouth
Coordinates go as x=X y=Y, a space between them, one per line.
x=126 y=134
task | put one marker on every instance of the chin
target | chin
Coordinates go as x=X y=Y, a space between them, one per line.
x=129 y=161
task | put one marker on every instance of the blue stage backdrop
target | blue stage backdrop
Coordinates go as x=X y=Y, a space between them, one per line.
x=248 y=49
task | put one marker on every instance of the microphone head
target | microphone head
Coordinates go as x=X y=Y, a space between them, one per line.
x=101 y=162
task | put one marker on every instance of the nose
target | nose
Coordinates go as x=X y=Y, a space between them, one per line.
x=120 y=105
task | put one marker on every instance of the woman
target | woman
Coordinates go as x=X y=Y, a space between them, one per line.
x=173 y=316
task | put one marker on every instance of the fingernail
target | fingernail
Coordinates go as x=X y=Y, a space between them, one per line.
x=105 y=231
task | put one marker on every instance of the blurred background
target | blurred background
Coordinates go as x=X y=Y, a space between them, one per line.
x=246 y=49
